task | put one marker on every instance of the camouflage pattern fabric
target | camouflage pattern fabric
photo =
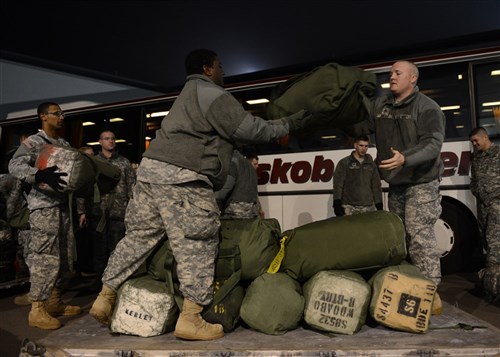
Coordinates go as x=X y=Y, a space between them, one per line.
x=490 y=278
x=419 y=206
x=485 y=185
x=22 y=166
x=12 y=197
x=122 y=193
x=49 y=250
x=111 y=208
x=350 y=209
x=188 y=214
x=241 y=210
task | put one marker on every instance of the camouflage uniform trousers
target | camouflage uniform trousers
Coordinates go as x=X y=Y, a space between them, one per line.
x=188 y=214
x=350 y=209
x=489 y=225
x=22 y=252
x=49 y=250
x=419 y=207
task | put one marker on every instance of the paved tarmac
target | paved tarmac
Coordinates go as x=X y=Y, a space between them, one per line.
x=459 y=290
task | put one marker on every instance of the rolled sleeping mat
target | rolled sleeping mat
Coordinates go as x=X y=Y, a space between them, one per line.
x=336 y=301
x=402 y=298
x=358 y=242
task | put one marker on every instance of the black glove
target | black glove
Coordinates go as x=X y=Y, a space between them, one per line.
x=51 y=178
x=338 y=209
x=299 y=121
x=379 y=206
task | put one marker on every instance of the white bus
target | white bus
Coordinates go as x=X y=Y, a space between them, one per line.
x=295 y=182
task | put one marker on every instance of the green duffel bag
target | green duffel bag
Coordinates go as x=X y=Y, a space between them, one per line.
x=338 y=95
x=225 y=308
x=273 y=304
x=255 y=241
x=358 y=242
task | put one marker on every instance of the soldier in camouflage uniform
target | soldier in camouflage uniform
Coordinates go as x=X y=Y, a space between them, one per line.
x=106 y=221
x=409 y=129
x=239 y=198
x=174 y=196
x=485 y=185
x=50 y=243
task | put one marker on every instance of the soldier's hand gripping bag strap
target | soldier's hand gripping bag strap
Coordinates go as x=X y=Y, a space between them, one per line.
x=358 y=242
x=338 y=96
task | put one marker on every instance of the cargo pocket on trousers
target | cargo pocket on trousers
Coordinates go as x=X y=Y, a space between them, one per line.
x=199 y=223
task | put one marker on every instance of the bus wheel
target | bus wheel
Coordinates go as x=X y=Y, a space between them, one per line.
x=458 y=239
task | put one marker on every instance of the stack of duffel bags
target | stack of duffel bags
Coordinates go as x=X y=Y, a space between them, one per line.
x=328 y=275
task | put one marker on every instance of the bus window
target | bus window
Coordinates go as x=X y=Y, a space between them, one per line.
x=84 y=130
x=487 y=85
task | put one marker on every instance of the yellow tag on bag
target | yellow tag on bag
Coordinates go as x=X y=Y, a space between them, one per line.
x=276 y=263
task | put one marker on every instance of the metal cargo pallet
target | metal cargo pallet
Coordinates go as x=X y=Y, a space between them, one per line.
x=455 y=333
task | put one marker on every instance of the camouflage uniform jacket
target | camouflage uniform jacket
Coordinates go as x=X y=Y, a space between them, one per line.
x=11 y=196
x=121 y=194
x=202 y=126
x=22 y=166
x=485 y=175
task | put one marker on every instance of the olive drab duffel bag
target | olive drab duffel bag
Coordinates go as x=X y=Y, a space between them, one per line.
x=358 y=242
x=338 y=95
x=273 y=304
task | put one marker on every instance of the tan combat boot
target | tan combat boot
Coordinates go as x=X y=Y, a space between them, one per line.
x=22 y=300
x=103 y=306
x=437 y=305
x=56 y=307
x=190 y=325
x=39 y=317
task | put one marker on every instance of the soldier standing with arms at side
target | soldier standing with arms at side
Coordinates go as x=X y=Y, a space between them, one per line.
x=356 y=182
x=187 y=161
x=49 y=247
x=409 y=129
x=485 y=186
x=107 y=218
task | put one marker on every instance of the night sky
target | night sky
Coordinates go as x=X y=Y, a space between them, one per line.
x=146 y=41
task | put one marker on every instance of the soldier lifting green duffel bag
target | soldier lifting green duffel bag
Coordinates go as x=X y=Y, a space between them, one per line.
x=358 y=242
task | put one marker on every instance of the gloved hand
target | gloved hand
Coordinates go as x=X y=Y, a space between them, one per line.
x=379 y=206
x=338 y=209
x=299 y=121
x=51 y=178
